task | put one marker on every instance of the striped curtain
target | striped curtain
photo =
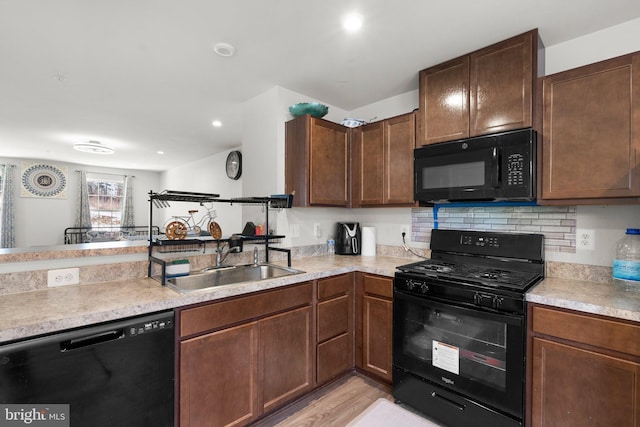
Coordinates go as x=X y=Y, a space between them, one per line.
x=7 y=236
x=83 y=214
x=128 y=219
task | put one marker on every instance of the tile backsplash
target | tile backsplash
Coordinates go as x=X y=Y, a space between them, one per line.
x=556 y=223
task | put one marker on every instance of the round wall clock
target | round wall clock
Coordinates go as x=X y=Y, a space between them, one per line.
x=234 y=165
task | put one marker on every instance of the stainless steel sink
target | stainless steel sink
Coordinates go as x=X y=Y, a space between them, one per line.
x=229 y=275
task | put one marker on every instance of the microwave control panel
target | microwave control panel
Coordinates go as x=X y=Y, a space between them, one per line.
x=515 y=169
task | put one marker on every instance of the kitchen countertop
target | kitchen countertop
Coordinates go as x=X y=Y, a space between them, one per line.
x=45 y=311
x=588 y=297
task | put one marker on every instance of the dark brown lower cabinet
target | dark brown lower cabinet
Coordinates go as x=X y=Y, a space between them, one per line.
x=335 y=324
x=585 y=370
x=285 y=345
x=374 y=325
x=218 y=377
x=245 y=357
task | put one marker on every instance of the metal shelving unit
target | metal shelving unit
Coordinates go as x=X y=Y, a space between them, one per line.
x=162 y=199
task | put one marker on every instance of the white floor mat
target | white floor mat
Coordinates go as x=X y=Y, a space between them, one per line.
x=383 y=413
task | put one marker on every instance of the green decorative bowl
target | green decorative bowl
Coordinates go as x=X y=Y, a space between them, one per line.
x=315 y=109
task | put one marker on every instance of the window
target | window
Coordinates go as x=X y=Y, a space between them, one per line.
x=1 y=199
x=106 y=195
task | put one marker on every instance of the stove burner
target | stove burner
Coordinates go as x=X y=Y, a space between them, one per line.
x=493 y=275
x=438 y=268
x=473 y=272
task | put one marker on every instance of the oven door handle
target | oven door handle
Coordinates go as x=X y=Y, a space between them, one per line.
x=447 y=401
x=495 y=165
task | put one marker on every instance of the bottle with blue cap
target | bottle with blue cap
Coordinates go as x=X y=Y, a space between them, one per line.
x=626 y=265
x=331 y=246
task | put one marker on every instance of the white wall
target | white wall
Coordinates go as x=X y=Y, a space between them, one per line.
x=264 y=119
x=605 y=44
x=207 y=175
x=41 y=222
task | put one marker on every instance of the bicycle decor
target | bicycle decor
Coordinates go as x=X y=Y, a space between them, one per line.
x=178 y=227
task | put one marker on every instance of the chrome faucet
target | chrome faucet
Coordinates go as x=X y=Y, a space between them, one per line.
x=255 y=255
x=221 y=256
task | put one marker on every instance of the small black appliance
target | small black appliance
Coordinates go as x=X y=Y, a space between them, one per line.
x=498 y=167
x=348 y=238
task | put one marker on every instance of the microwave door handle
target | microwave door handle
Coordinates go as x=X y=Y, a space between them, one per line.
x=495 y=168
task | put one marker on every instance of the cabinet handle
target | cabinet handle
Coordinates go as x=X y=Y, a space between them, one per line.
x=447 y=401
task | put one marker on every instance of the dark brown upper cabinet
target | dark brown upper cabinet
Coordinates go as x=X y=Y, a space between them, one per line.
x=487 y=91
x=317 y=162
x=591 y=134
x=382 y=162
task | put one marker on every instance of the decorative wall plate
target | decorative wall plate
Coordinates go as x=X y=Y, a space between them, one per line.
x=43 y=180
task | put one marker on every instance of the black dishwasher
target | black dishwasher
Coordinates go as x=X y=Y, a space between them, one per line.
x=113 y=374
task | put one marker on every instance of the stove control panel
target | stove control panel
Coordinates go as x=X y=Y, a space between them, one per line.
x=481 y=241
x=519 y=246
x=459 y=293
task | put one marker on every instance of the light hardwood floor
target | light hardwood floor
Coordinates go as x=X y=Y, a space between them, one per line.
x=334 y=405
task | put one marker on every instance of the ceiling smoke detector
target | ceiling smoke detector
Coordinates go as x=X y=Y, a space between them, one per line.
x=224 y=49
x=93 y=147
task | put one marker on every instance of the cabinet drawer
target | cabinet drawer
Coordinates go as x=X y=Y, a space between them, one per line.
x=596 y=331
x=219 y=314
x=334 y=286
x=334 y=357
x=333 y=317
x=379 y=286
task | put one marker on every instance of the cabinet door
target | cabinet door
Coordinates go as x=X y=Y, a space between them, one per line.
x=328 y=164
x=591 y=142
x=375 y=294
x=575 y=387
x=399 y=141
x=501 y=79
x=218 y=378
x=377 y=336
x=285 y=357
x=444 y=102
x=368 y=165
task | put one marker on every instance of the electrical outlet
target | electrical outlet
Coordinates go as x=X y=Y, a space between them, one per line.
x=294 y=230
x=585 y=239
x=317 y=231
x=63 y=276
x=406 y=229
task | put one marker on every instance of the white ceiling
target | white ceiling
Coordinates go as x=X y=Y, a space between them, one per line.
x=141 y=75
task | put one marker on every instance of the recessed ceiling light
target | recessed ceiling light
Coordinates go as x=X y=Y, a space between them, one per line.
x=93 y=147
x=352 y=22
x=216 y=123
x=224 y=49
x=160 y=152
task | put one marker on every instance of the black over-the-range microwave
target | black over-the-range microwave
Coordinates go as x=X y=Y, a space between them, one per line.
x=497 y=167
